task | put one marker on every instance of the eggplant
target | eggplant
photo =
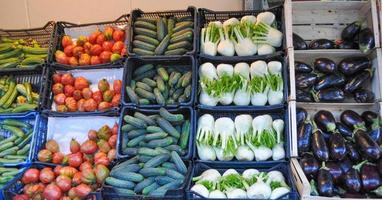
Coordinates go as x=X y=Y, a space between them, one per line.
x=329 y=95
x=301 y=116
x=352 y=152
x=303 y=96
x=304 y=134
x=357 y=81
x=352 y=180
x=344 y=130
x=305 y=80
x=325 y=121
x=378 y=191
x=370 y=118
x=354 y=196
x=299 y=43
x=370 y=177
x=301 y=67
x=319 y=147
x=366 y=40
x=309 y=165
x=352 y=120
x=379 y=166
x=325 y=185
x=364 y=96
x=337 y=147
x=322 y=44
x=335 y=170
x=347 y=45
x=346 y=164
x=367 y=146
x=351 y=30
x=351 y=65
x=330 y=80
x=325 y=65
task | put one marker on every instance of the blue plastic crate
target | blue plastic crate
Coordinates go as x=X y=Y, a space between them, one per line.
x=275 y=113
x=284 y=168
x=188 y=112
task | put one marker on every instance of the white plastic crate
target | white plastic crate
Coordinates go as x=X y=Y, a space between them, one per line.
x=326 y=19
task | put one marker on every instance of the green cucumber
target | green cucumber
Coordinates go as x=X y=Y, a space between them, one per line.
x=133 y=97
x=161 y=29
x=187 y=36
x=135 y=121
x=143 y=101
x=150 y=188
x=179 y=51
x=150 y=171
x=143 y=45
x=186 y=79
x=155 y=136
x=145 y=31
x=145 y=118
x=148 y=151
x=144 y=86
x=160 y=84
x=127 y=128
x=147 y=25
x=119 y=183
x=147 y=39
x=169 y=116
x=162 y=73
x=149 y=82
x=145 y=94
x=142 y=52
x=174 y=174
x=127 y=176
x=156 y=161
x=159 y=98
x=170 y=25
x=183 y=25
x=140 y=186
x=142 y=69
x=184 y=136
x=134 y=142
x=166 y=126
x=181 y=32
x=160 y=142
x=180 y=166
x=162 y=46
x=154 y=129
x=179 y=45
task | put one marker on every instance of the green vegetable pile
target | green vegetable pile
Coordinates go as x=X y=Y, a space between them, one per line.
x=7 y=174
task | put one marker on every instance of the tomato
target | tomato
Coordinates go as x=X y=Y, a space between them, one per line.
x=81 y=40
x=101 y=172
x=118 y=35
x=107 y=45
x=112 y=141
x=87 y=93
x=116 y=100
x=73 y=61
x=87 y=47
x=34 y=190
x=88 y=158
x=61 y=57
x=52 y=192
x=108 y=32
x=103 y=145
x=57 y=158
x=71 y=103
x=89 y=147
x=69 y=50
x=77 y=95
x=75 y=159
x=100 y=39
x=117 y=86
x=108 y=95
x=117 y=47
x=97 y=96
x=103 y=85
x=104 y=132
x=90 y=105
x=84 y=59
x=102 y=160
x=68 y=90
x=115 y=57
x=96 y=50
x=95 y=60
x=64 y=183
x=61 y=108
x=124 y=51
x=52 y=146
x=57 y=169
x=66 y=41
x=59 y=99
x=46 y=175
x=82 y=190
x=57 y=88
x=30 y=176
x=88 y=176
x=105 y=56
x=111 y=154
x=74 y=146
x=85 y=165
x=56 y=78
x=114 y=130
x=81 y=83
x=67 y=79
x=76 y=180
x=99 y=154
x=68 y=171
x=81 y=105
x=93 y=37
x=44 y=155
x=21 y=197
x=92 y=135
x=77 y=51
x=104 y=106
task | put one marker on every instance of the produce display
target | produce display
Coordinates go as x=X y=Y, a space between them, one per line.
x=163 y=35
x=17 y=97
x=327 y=81
x=353 y=36
x=159 y=84
x=152 y=176
x=7 y=174
x=245 y=138
x=77 y=94
x=250 y=184
x=341 y=158
x=21 y=53
x=249 y=36
x=152 y=135
x=260 y=83
x=97 y=48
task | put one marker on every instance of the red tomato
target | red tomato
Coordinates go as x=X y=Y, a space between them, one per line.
x=93 y=37
x=97 y=96
x=68 y=171
x=104 y=106
x=119 y=35
x=57 y=158
x=112 y=141
x=21 y=197
x=77 y=95
x=30 y=176
x=52 y=192
x=81 y=105
x=114 y=130
x=95 y=60
x=57 y=170
x=85 y=165
x=52 y=146
x=108 y=32
x=92 y=134
x=118 y=46
x=81 y=83
x=71 y=103
x=76 y=180
x=84 y=59
x=111 y=154
x=46 y=176
x=64 y=183
x=57 y=88
x=69 y=50
x=44 y=155
x=68 y=90
x=105 y=56
x=77 y=51
x=73 y=61
x=96 y=50
x=61 y=57
x=59 y=99
x=87 y=93
x=117 y=86
x=100 y=39
x=66 y=41
x=82 y=190
x=89 y=147
x=74 y=146
x=67 y=79
x=116 y=100
x=75 y=159
x=124 y=51
x=56 y=78
x=108 y=45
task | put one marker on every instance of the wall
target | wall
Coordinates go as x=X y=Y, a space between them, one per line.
x=15 y=14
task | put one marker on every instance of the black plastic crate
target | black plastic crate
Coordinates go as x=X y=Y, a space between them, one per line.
x=187 y=111
x=205 y=16
x=191 y=11
x=48 y=95
x=284 y=168
x=43 y=35
x=186 y=62
x=275 y=57
x=84 y=29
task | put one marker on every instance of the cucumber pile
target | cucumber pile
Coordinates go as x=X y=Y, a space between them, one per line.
x=163 y=36
x=152 y=135
x=21 y=53
x=16 y=147
x=7 y=174
x=152 y=176
x=164 y=85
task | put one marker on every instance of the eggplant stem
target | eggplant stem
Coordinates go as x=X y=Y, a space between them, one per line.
x=315 y=96
x=323 y=166
x=313 y=187
x=359 y=165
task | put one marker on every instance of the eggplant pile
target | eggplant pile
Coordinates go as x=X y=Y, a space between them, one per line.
x=341 y=158
x=326 y=81
x=353 y=36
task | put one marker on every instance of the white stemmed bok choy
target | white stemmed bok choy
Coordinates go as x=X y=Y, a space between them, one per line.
x=258 y=84
x=208 y=77
x=210 y=38
x=226 y=46
x=205 y=136
x=224 y=141
x=243 y=125
x=275 y=82
x=242 y=95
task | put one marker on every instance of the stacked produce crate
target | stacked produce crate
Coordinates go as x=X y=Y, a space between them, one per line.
x=335 y=100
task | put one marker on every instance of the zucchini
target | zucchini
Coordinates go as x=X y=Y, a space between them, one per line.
x=154 y=129
x=160 y=142
x=183 y=141
x=180 y=166
x=9 y=60
x=145 y=31
x=148 y=74
x=161 y=29
x=155 y=136
x=143 y=45
x=32 y=61
x=143 y=101
x=145 y=94
x=169 y=116
x=179 y=45
x=127 y=128
x=135 y=121
x=143 y=24
x=150 y=188
x=6 y=96
x=151 y=171
x=6 y=48
x=142 y=52
x=140 y=186
x=166 y=126
x=174 y=174
x=157 y=160
x=9 y=65
x=162 y=73
x=119 y=183
x=142 y=69
x=147 y=39
x=180 y=51
x=127 y=176
x=170 y=25
x=160 y=84
x=134 y=142
x=149 y=82
x=183 y=25
x=35 y=50
x=10 y=54
x=162 y=46
x=144 y=86
x=159 y=98
x=187 y=36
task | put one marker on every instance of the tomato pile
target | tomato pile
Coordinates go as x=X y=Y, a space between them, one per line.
x=72 y=94
x=97 y=48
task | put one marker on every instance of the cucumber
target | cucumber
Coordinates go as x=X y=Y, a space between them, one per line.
x=154 y=129
x=162 y=46
x=24 y=150
x=179 y=83
x=9 y=65
x=147 y=25
x=149 y=82
x=170 y=117
x=136 y=133
x=176 y=148
x=174 y=79
x=177 y=93
x=181 y=32
x=143 y=101
x=10 y=54
x=144 y=86
x=142 y=69
x=150 y=188
x=132 y=84
x=157 y=160
x=35 y=50
x=148 y=74
x=147 y=39
x=133 y=160
x=119 y=183
x=145 y=118
x=124 y=191
x=165 y=93
x=143 y=45
x=32 y=61
x=145 y=94
x=142 y=52
x=126 y=168
x=172 y=185
x=145 y=31
x=140 y=186
x=6 y=146
x=182 y=98
x=180 y=51
x=127 y=176
x=162 y=73
x=183 y=141
x=9 y=60
x=143 y=158
x=183 y=25
x=145 y=20
x=166 y=126
x=179 y=45
x=159 y=98
x=16 y=157
x=161 y=29
x=160 y=84
x=134 y=142
x=174 y=174
x=150 y=171
x=187 y=91
x=185 y=18
x=130 y=151
x=148 y=152
x=135 y=121
x=10 y=151
x=127 y=128
x=162 y=150
x=187 y=36
x=155 y=136
x=13 y=122
x=180 y=166
x=170 y=25
x=160 y=142
x=186 y=79
x=10 y=139
x=169 y=165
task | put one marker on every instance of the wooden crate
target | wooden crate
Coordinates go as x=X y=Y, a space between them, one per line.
x=326 y=19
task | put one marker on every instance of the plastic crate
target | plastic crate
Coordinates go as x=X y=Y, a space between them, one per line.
x=48 y=97
x=188 y=113
x=178 y=194
x=199 y=168
x=206 y=16
x=276 y=57
x=191 y=11
x=217 y=113
x=75 y=30
x=42 y=35
x=183 y=62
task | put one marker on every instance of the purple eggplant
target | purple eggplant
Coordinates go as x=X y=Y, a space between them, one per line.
x=325 y=185
x=351 y=65
x=330 y=80
x=354 y=196
x=305 y=80
x=370 y=177
x=301 y=67
x=379 y=166
x=373 y=123
x=344 y=130
x=346 y=164
x=357 y=81
x=335 y=170
x=325 y=121
x=347 y=45
x=309 y=165
x=301 y=116
x=352 y=180
x=303 y=96
x=378 y=192
x=352 y=152
x=364 y=96
x=322 y=44
x=304 y=134
x=352 y=120
x=366 y=40
x=319 y=147
x=329 y=95
x=367 y=146
x=337 y=147
x=325 y=65
x=351 y=30
x=299 y=43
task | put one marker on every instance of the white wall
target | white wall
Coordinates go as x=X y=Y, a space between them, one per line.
x=16 y=14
